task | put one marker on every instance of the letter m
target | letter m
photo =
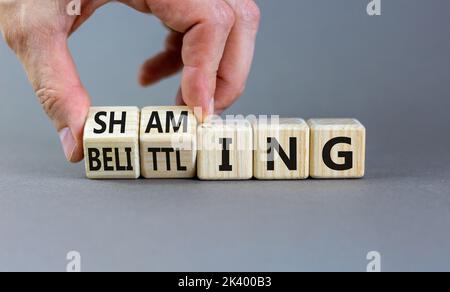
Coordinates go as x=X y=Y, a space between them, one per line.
x=176 y=125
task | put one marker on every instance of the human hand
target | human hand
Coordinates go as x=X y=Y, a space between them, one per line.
x=211 y=41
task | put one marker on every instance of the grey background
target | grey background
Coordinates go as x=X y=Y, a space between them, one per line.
x=314 y=58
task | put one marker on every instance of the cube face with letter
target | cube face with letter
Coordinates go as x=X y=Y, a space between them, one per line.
x=111 y=143
x=225 y=150
x=337 y=148
x=168 y=142
x=281 y=149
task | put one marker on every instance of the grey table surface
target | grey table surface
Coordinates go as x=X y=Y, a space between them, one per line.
x=331 y=60
x=47 y=208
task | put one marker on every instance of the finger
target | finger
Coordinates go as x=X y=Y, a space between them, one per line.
x=179 y=99
x=206 y=25
x=165 y=63
x=52 y=73
x=238 y=56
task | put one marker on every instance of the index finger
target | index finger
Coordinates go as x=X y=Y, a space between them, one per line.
x=207 y=25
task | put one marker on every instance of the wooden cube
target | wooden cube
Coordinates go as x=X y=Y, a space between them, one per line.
x=225 y=150
x=337 y=148
x=281 y=149
x=111 y=143
x=168 y=142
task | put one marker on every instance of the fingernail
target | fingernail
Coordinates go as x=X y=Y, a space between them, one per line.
x=218 y=112
x=198 y=112
x=68 y=142
x=211 y=107
x=208 y=110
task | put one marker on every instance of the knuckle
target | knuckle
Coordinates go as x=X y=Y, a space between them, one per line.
x=249 y=12
x=24 y=33
x=48 y=98
x=224 y=16
x=26 y=37
x=15 y=38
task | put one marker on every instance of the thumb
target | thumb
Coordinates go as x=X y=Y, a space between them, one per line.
x=54 y=77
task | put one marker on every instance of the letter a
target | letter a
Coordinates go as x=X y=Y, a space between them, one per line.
x=374 y=8
x=74 y=8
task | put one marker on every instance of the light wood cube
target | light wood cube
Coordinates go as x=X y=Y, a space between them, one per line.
x=111 y=143
x=281 y=149
x=225 y=150
x=168 y=142
x=338 y=148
